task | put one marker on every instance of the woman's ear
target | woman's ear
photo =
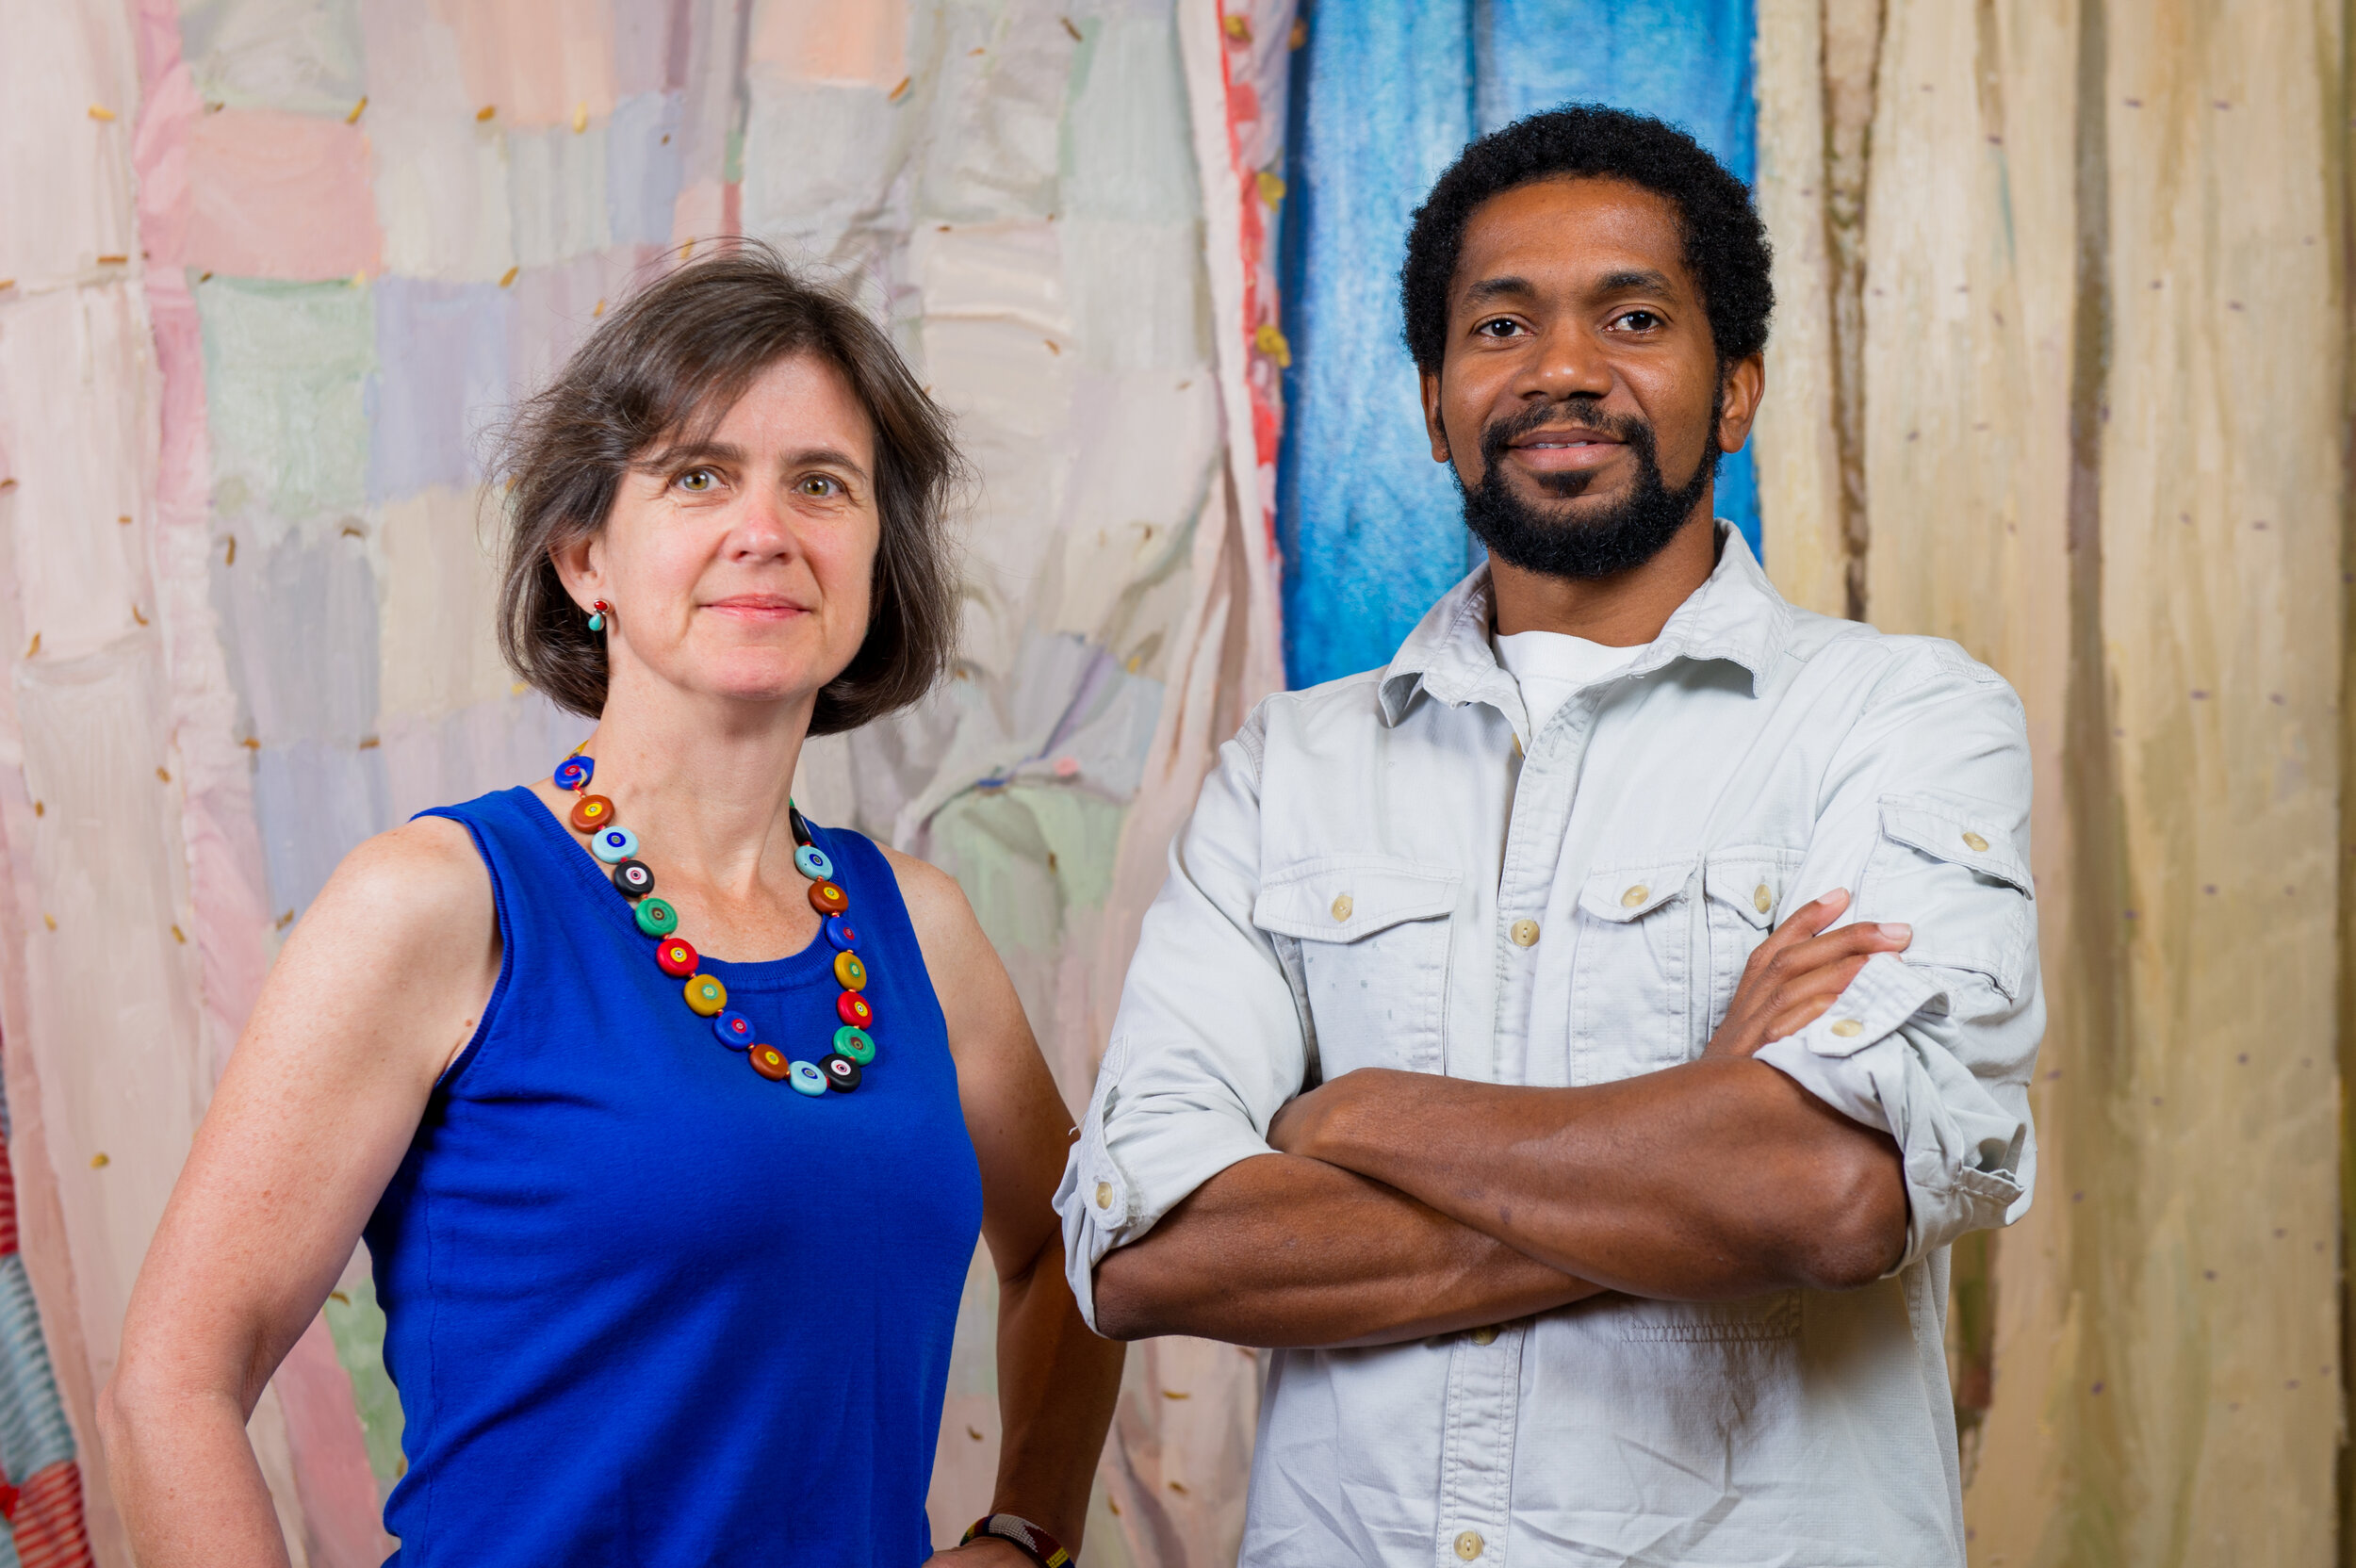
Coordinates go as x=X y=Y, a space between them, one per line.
x=579 y=567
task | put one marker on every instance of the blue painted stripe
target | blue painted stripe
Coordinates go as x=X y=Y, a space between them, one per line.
x=1372 y=529
x=1384 y=97
x=33 y=1433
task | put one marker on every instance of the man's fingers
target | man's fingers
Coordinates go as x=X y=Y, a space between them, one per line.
x=1808 y=919
x=1863 y=938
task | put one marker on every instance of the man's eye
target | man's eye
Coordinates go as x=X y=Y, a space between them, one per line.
x=1504 y=326
x=1638 y=320
x=698 y=481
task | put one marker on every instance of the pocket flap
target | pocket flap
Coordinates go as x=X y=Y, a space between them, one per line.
x=1750 y=884
x=1633 y=892
x=1340 y=898
x=1945 y=831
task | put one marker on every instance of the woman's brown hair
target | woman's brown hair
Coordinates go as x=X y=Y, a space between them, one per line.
x=665 y=368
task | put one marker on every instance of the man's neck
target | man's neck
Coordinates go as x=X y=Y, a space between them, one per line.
x=1625 y=610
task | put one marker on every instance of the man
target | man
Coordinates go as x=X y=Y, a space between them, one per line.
x=1595 y=1221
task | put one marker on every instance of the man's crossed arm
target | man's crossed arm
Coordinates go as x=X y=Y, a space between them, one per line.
x=1402 y=1204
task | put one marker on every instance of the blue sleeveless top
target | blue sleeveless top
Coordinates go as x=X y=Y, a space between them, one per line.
x=645 y=1306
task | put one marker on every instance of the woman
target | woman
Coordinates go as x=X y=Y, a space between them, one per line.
x=669 y=1230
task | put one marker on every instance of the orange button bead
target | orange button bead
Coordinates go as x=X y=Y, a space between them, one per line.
x=849 y=973
x=770 y=1063
x=828 y=898
x=677 y=956
x=591 y=813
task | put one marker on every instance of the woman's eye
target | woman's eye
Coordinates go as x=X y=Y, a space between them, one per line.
x=820 y=485
x=698 y=481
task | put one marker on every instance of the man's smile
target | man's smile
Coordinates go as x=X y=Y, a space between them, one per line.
x=1554 y=451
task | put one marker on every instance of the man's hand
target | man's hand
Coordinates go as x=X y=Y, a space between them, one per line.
x=1796 y=973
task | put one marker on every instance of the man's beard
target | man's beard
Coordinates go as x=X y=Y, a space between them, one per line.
x=1618 y=540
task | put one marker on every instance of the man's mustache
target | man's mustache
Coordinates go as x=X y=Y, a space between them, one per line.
x=1571 y=414
x=1583 y=413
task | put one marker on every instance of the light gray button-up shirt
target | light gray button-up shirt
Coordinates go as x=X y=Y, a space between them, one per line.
x=1346 y=895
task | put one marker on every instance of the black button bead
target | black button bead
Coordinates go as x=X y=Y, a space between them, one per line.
x=842 y=1073
x=634 y=877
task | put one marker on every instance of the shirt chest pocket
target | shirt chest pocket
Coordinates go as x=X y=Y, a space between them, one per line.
x=1631 y=974
x=1368 y=946
x=1742 y=893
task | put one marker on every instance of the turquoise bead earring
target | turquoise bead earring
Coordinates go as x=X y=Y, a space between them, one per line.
x=598 y=612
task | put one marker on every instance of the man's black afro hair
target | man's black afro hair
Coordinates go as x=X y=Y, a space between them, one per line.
x=1726 y=244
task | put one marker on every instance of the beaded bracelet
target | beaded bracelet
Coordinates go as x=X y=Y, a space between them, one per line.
x=1034 y=1543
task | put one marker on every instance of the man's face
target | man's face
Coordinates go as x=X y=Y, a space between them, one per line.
x=1580 y=397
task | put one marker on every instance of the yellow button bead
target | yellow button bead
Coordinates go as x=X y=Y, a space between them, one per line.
x=849 y=973
x=706 y=995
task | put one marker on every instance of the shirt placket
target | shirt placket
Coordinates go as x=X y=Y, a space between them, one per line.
x=1483 y=1401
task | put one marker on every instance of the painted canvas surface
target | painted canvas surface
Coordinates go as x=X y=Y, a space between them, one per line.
x=2059 y=371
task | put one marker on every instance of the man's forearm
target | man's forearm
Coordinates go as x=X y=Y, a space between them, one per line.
x=1718 y=1178
x=1279 y=1250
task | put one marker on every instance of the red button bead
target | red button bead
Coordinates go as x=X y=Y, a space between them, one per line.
x=853 y=1009
x=677 y=956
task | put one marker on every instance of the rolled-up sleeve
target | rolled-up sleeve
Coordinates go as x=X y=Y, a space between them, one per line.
x=1208 y=1043
x=1925 y=819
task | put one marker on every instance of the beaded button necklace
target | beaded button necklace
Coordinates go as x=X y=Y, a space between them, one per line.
x=617 y=846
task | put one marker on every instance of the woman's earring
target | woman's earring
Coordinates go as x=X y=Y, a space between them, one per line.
x=598 y=612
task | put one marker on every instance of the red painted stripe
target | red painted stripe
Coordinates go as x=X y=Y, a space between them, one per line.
x=7 y=1204
x=49 y=1531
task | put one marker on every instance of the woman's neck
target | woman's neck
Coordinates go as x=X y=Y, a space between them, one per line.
x=705 y=784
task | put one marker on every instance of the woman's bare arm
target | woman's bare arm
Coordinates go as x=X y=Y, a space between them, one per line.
x=377 y=990
x=1056 y=1381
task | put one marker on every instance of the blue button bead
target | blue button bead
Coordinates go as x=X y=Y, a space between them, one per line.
x=839 y=934
x=811 y=862
x=807 y=1078
x=734 y=1029
x=574 y=772
x=613 y=845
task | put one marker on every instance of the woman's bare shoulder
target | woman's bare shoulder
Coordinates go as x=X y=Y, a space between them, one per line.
x=410 y=906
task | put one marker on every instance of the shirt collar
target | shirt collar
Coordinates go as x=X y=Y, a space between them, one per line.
x=1735 y=615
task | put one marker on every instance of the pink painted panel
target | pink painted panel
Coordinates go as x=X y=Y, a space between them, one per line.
x=278 y=195
x=825 y=41
x=535 y=62
x=332 y=1474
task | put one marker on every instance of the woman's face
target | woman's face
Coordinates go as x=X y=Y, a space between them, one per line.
x=741 y=567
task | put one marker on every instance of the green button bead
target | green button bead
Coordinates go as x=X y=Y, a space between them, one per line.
x=657 y=918
x=856 y=1043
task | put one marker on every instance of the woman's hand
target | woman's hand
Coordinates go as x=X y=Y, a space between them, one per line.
x=1796 y=973
x=987 y=1552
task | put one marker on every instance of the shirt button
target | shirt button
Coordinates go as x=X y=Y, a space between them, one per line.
x=1634 y=896
x=1524 y=932
x=1469 y=1544
x=1342 y=906
x=1485 y=1334
x=1974 y=843
x=1761 y=899
x=1103 y=1195
x=1848 y=1028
